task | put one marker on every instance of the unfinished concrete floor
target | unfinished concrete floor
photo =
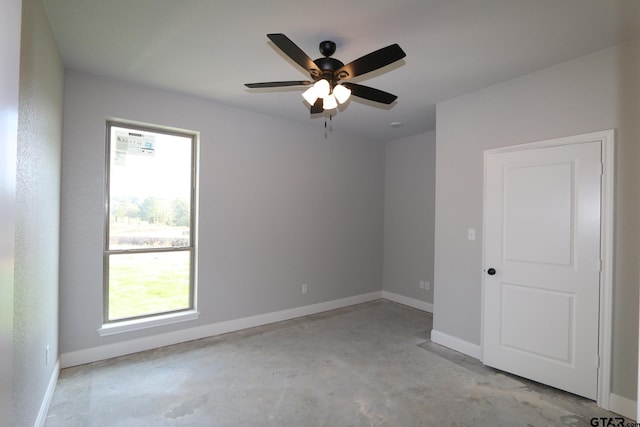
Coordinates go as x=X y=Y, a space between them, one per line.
x=367 y=365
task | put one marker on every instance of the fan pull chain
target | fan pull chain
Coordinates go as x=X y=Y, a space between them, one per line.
x=325 y=128
x=330 y=125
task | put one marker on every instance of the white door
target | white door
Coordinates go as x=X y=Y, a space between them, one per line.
x=542 y=264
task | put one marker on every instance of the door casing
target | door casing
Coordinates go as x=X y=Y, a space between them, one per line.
x=607 y=139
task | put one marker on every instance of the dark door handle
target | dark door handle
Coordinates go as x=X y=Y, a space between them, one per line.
x=491 y=271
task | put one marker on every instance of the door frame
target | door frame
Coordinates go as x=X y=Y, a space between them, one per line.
x=607 y=139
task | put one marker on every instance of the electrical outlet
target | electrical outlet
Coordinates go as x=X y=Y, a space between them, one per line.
x=421 y=284
x=427 y=286
x=304 y=288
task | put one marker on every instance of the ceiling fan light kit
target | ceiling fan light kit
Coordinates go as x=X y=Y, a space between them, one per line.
x=326 y=89
x=330 y=98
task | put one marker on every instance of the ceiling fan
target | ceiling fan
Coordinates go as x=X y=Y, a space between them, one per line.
x=327 y=74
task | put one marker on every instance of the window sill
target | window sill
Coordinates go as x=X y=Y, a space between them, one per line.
x=147 y=322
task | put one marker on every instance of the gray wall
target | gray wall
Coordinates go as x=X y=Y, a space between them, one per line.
x=38 y=207
x=9 y=77
x=595 y=92
x=409 y=192
x=280 y=206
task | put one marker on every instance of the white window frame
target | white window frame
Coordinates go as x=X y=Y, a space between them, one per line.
x=116 y=326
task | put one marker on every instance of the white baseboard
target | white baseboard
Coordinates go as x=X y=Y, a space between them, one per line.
x=623 y=406
x=411 y=302
x=470 y=349
x=95 y=354
x=48 y=396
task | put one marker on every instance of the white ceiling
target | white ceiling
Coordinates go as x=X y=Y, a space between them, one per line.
x=210 y=48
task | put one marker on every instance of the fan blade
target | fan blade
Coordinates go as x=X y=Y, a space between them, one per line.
x=373 y=61
x=370 y=93
x=317 y=107
x=290 y=49
x=278 y=84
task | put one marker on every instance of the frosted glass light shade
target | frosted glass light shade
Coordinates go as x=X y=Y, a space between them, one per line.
x=322 y=88
x=329 y=102
x=341 y=93
x=310 y=95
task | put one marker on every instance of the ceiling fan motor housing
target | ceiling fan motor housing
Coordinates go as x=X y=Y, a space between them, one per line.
x=327 y=65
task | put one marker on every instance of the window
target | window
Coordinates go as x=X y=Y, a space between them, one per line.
x=149 y=252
